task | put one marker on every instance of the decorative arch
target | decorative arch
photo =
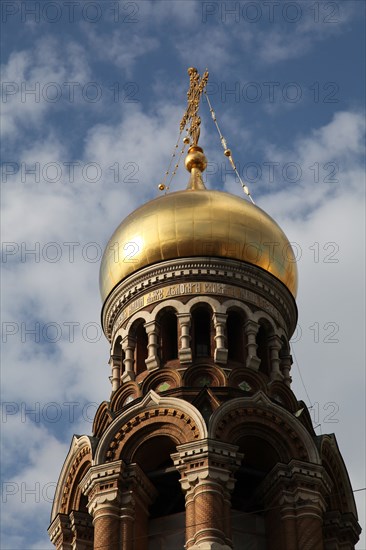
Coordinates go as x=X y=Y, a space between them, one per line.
x=235 y=334
x=167 y=321
x=121 y=397
x=142 y=315
x=261 y=317
x=230 y=304
x=265 y=331
x=204 y=375
x=153 y=416
x=175 y=305
x=258 y=416
x=214 y=304
x=341 y=497
x=78 y=460
x=161 y=380
x=116 y=348
x=102 y=418
x=283 y=395
x=138 y=334
x=202 y=330
x=247 y=380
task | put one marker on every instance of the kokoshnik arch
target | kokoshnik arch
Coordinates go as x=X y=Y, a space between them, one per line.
x=202 y=444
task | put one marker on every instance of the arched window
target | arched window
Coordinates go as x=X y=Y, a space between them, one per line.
x=285 y=348
x=201 y=333
x=235 y=337
x=249 y=527
x=118 y=354
x=263 y=351
x=140 y=347
x=167 y=513
x=168 y=336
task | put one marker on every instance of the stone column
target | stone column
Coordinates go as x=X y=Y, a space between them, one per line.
x=82 y=528
x=115 y=362
x=185 y=351
x=221 y=352
x=341 y=531
x=60 y=532
x=101 y=485
x=285 y=366
x=127 y=520
x=206 y=469
x=251 y=329
x=294 y=495
x=275 y=344
x=138 y=494
x=152 y=361
x=128 y=346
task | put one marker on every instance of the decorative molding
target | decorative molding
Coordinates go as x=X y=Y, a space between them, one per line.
x=281 y=428
x=199 y=276
x=154 y=410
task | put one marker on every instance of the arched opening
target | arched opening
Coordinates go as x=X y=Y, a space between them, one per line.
x=168 y=336
x=248 y=516
x=235 y=337
x=259 y=459
x=167 y=512
x=140 y=354
x=118 y=354
x=263 y=351
x=201 y=331
x=77 y=506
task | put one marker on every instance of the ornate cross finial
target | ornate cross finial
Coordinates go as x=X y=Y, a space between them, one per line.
x=196 y=87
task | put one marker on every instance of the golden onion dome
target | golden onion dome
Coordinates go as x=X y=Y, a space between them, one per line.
x=197 y=222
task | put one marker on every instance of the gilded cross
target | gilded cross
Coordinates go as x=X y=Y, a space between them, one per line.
x=196 y=87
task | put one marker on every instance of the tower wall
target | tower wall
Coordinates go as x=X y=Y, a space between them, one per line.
x=202 y=443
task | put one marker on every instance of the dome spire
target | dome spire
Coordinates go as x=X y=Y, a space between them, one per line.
x=195 y=163
x=196 y=88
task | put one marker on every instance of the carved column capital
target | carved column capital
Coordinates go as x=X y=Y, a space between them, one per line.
x=221 y=351
x=135 y=480
x=82 y=529
x=251 y=329
x=285 y=366
x=339 y=528
x=115 y=362
x=296 y=483
x=101 y=484
x=206 y=469
x=152 y=331
x=275 y=344
x=128 y=346
x=207 y=459
x=185 y=351
x=60 y=532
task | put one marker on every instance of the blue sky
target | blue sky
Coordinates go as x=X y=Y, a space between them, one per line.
x=92 y=96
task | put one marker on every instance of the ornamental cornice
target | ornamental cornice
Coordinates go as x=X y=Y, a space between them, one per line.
x=144 y=288
x=60 y=528
x=297 y=484
x=101 y=485
x=207 y=461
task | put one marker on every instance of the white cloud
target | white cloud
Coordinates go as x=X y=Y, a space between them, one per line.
x=28 y=490
x=313 y=23
x=36 y=80
x=326 y=223
x=122 y=47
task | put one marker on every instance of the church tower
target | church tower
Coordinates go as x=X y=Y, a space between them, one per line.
x=202 y=444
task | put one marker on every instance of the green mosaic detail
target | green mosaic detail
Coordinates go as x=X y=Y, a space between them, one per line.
x=163 y=386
